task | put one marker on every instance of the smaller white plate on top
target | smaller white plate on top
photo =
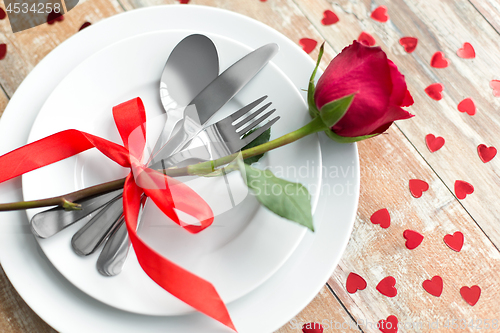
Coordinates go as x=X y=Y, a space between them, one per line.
x=244 y=246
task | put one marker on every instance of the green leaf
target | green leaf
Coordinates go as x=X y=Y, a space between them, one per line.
x=346 y=139
x=313 y=110
x=286 y=199
x=261 y=139
x=332 y=112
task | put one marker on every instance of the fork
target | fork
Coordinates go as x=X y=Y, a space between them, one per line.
x=226 y=137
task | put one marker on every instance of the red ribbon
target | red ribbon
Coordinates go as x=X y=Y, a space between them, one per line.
x=167 y=193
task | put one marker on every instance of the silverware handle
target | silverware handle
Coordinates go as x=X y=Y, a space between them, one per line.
x=114 y=253
x=172 y=126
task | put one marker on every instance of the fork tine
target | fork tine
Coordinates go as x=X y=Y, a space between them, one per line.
x=247 y=108
x=252 y=116
x=246 y=140
x=256 y=122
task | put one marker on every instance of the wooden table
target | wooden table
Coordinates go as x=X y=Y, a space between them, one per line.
x=388 y=161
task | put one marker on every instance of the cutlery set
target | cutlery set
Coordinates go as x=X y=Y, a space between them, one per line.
x=191 y=92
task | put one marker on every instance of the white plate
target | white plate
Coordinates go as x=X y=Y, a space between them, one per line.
x=244 y=246
x=266 y=308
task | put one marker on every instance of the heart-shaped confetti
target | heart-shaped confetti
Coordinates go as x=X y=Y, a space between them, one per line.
x=434 y=286
x=85 y=25
x=380 y=14
x=3 y=14
x=184 y=2
x=417 y=187
x=495 y=85
x=471 y=295
x=409 y=43
x=381 y=217
x=438 y=60
x=388 y=326
x=468 y=106
x=54 y=17
x=308 y=44
x=312 y=328
x=413 y=239
x=366 y=39
x=466 y=52
x=3 y=51
x=434 y=143
x=462 y=188
x=486 y=153
x=455 y=241
x=386 y=287
x=408 y=99
x=354 y=283
x=329 y=18
x=435 y=91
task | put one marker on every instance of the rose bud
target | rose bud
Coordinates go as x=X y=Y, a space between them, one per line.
x=360 y=94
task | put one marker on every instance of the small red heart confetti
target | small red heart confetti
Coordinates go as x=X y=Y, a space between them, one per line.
x=263 y=0
x=380 y=14
x=434 y=143
x=417 y=187
x=495 y=85
x=308 y=44
x=366 y=39
x=312 y=328
x=53 y=17
x=434 y=286
x=435 y=91
x=471 y=295
x=386 y=287
x=409 y=43
x=186 y=1
x=354 y=283
x=86 y=24
x=467 y=106
x=3 y=51
x=438 y=60
x=455 y=241
x=413 y=239
x=381 y=217
x=388 y=326
x=329 y=17
x=3 y=14
x=408 y=99
x=485 y=153
x=466 y=52
x=462 y=188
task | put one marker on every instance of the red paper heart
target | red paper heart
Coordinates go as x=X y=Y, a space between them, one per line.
x=308 y=44
x=312 y=328
x=417 y=187
x=467 y=106
x=455 y=241
x=186 y=1
x=386 y=287
x=466 y=52
x=495 y=85
x=354 y=283
x=462 y=188
x=86 y=24
x=380 y=14
x=413 y=239
x=54 y=17
x=3 y=14
x=485 y=153
x=3 y=51
x=409 y=43
x=438 y=60
x=366 y=39
x=388 y=326
x=329 y=17
x=434 y=286
x=435 y=91
x=381 y=217
x=434 y=143
x=471 y=295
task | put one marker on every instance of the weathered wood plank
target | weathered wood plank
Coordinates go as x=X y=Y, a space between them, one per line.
x=490 y=9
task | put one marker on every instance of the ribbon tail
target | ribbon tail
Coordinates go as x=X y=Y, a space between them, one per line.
x=189 y=288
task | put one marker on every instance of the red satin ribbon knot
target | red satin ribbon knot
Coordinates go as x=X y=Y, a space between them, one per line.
x=167 y=193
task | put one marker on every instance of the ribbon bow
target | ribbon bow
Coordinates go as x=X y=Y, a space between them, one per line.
x=167 y=193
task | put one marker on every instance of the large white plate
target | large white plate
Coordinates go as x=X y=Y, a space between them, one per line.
x=266 y=308
x=244 y=246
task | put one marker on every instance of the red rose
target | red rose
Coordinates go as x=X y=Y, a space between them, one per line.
x=379 y=91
